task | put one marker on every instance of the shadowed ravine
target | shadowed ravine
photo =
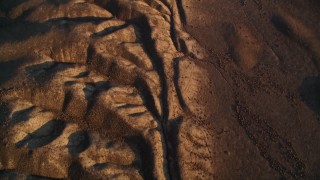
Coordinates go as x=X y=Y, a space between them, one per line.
x=108 y=78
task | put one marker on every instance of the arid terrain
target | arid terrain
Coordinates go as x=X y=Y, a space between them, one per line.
x=159 y=89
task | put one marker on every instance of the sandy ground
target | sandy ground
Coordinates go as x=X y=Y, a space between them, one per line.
x=268 y=53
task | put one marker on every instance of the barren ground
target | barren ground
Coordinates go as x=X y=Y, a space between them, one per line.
x=159 y=89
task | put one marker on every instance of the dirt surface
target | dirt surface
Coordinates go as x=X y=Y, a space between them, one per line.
x=150 y=89
x=268 y=53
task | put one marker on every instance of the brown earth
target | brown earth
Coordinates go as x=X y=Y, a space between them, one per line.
x=150 y=89
x=268 y=53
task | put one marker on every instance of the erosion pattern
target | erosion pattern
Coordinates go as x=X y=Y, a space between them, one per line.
x=100 y=89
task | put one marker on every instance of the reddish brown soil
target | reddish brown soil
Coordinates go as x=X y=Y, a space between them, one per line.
x=268 y=53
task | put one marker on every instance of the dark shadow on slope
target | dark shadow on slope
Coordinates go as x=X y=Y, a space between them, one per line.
x=281 y=25
x=231 y=38
x=109 y=30
x=78 y=142
x=67 y=99
x=111 y=5
x=158 y=64
x=145 y=93
x=44 y=72
x=8 y=69
x=34 y=177
x=4 y=113
x=174 y=128
x=79 y=20
x=310 y=92
x=76 y=172
x=82 y=74
x=100 y=166
x=182 y=13
x=7 y=5
x=4 y=22
x=44 y=135
x=93 y=90
x=8 y=174
x=176 y=83
x=58 y=2
x=21 y=116
x=149 y=47
x=21 y=30
x=315 y=3
x=144 y=150
x=13 y=175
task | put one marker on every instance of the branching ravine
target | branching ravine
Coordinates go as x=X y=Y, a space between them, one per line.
x=95 y=70
x=158 y=61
